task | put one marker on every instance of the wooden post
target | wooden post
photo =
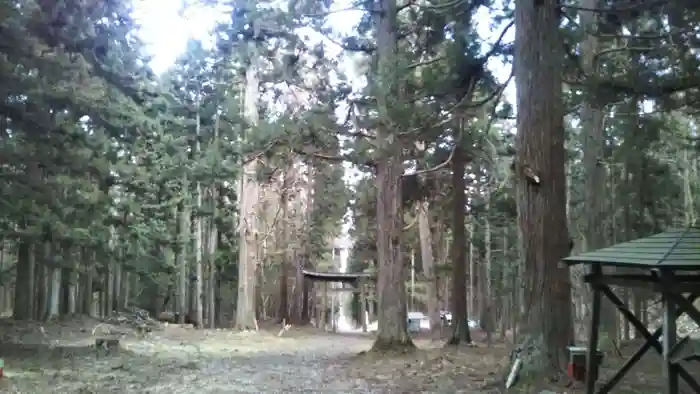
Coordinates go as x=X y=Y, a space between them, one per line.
x=324 y=303
x=592 y=360
x=669 y=368
x=363 y=303
x=317 y=309
x=334 y=298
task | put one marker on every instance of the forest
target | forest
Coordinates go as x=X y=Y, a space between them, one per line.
x=464 y=146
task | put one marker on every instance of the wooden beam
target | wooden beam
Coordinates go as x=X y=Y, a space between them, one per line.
x=593 y=331
x=651 y=342
x=681 y=284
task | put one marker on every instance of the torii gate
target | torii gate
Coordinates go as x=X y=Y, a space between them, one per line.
x=358 y=281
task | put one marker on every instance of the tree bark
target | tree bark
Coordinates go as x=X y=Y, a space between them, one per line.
x=542 y=198
x=460 y=314
x=248 y=203
x=592 y=125
x=488 y=316
x=22 y=309
x=427 y=257
x=54 y=295
x=183 y=220
x=25 y=299
x=198 y=232
x=212 y=244
x=286 y=238
x=391 y=276
x=87 y=292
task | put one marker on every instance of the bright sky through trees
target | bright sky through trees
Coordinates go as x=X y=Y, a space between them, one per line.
x=166 y=28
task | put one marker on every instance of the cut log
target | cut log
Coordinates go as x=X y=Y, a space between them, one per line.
x=108 y=344
x=174 y=318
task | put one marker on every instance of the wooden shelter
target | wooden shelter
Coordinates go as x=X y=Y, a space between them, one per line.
x=664 y=261
x=358 y=282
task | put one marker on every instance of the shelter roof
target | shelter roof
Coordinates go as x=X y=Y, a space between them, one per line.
x=677 y=249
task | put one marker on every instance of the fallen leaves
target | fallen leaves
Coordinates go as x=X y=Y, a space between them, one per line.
x=58 y=358
x=431 y=368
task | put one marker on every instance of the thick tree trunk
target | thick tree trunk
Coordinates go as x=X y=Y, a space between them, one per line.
x=38 y=251
x=212 y=281
x=22 y=309
x=427 y=256
x=391 y=278
x=508 y=297
x=199 y=238
x=460 y=314
x=488 y=316
x=55 y=293
x=124 y=300
x=443 y=253
x=471 y=276
x=212 y=243
x=592 y=119
x=73 y=281
x=391 y=273
x=303 y=287
x=87 y=292
x=283 y=311
x=116 y=285
x=688 y=179
x=25 y=300
x=248 y=202
x=299 y=307
x=541 y=180
x=183 y=231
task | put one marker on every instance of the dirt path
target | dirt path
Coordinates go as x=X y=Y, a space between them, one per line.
x=61 y=358
x=184 y=361
x=179 y=360
x=306 y=365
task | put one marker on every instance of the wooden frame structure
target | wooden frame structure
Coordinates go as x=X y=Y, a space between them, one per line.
x=358 y=281
x=661 y=257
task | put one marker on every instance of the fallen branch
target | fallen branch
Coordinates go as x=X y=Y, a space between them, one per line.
x=285 y=328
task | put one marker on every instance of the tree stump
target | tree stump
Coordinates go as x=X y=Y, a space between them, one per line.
x=109 y=345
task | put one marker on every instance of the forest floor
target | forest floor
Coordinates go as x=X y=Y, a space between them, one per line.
x=61 y=358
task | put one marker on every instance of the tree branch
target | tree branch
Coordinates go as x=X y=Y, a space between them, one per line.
x=331 y=12
x=631 y=6
x=335 y=158
x=434 y=168
x=643 y=88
